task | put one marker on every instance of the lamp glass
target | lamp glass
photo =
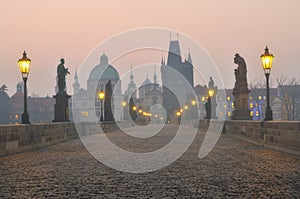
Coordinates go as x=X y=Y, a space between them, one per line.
x=24 y=64
x=267 y=61
x=101 y=95
x=194 y=102
x=211 y=92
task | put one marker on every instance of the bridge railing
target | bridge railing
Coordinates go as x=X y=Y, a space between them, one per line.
x=19 y=138
x=279 y=135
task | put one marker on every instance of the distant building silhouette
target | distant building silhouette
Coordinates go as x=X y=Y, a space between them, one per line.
x=40 y=109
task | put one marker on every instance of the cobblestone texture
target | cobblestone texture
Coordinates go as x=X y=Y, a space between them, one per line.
x=233 y=169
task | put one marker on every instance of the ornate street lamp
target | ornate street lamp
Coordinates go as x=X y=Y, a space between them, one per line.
x=101 y=95
x=24 y=64
x=267 y=60
x=212 y=101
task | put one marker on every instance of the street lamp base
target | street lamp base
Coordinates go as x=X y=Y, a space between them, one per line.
x=269 y=115
x=25 y=118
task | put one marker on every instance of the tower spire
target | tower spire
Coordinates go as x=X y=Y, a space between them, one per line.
x=131 y=74
x=190 y=57
x=76 y=84
x=155 y=76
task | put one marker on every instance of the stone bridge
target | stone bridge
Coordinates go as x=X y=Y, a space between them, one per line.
x=250 y=160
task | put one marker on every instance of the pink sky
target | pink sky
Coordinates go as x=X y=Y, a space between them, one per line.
x=49 y=29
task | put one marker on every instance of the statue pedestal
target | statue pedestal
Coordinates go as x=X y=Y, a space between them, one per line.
x=61 y=107
x=241 y=110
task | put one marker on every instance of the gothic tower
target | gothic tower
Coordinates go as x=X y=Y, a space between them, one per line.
x=185 y=68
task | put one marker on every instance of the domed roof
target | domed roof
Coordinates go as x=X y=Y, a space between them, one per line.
x=147 y=82
x=110 y=72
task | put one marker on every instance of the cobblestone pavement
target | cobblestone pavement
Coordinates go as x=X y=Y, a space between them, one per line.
x=233 y=169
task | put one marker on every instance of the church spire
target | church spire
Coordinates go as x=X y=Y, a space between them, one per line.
x=190 y=57
x=155 y=76
x=131 y=90
x=131 y=75
x=76 y=84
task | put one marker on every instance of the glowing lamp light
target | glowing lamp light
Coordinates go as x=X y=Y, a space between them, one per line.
x=178 y=113
x=194 y=102
x=211 y=92
x=140 y=111
x=134 y=108
x=124 y=103
x=267 y=60
x=186 y=107
x=24 y=64
x=101 y=95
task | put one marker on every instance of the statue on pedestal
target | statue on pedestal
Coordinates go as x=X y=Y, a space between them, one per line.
x=61 y=107
x=61 y=74
x=240 y=90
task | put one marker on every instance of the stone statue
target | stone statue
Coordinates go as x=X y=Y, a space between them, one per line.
x=61 y=74
x=211 y=83
x=240 y=72
x=240 y=90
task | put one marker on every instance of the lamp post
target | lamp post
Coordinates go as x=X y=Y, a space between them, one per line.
x=178 y=114
x=194 y=109
x=124 y=104
x=211 y=94
x=267 y=60
x=24 y=64
x=101 y=95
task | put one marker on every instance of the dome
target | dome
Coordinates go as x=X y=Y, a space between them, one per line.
x=110 y=72
x=147 y=82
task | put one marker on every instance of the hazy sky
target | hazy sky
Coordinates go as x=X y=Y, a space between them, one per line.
x=72 y=28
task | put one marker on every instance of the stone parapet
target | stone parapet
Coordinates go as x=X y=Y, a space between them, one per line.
x=278 y=135
x=21 y=137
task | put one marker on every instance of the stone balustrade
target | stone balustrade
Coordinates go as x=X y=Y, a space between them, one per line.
x=19 y=138
x=278 y=135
